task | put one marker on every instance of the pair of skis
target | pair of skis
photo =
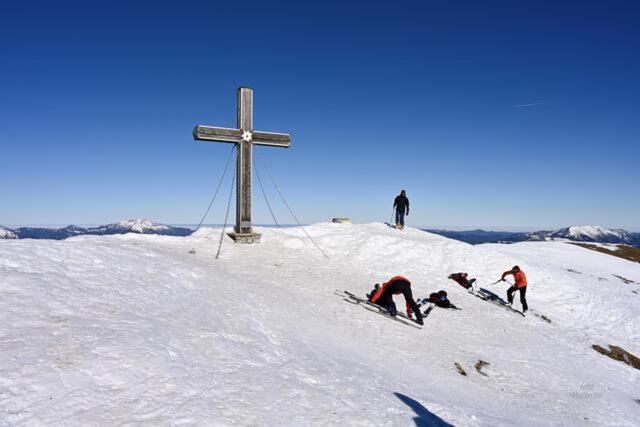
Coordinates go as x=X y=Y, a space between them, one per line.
x=492 y=295
x=487 y=295
x=493 y=298
x=366 y=304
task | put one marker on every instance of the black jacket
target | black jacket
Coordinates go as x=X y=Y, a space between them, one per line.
x=442 y=302
x=401 y=203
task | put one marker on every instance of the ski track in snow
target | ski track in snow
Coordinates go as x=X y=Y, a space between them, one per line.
x=134 y=329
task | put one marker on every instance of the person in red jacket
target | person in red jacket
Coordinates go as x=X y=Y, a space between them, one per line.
x=520 y=285
x=383 y=296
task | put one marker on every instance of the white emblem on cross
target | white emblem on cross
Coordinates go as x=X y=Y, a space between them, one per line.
x=247 y=136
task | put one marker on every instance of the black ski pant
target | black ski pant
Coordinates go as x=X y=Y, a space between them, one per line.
x=523 y=292
x=399 y=217
x=398 y=287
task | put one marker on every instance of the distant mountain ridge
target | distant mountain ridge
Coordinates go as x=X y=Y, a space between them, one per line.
x=479 y=236
x=140 y=226
x=587 y=233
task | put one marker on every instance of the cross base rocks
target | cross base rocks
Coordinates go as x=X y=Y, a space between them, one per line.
x=245 y=238
x=341 y=220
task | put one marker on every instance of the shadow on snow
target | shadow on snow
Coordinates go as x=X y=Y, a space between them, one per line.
x=424 y=418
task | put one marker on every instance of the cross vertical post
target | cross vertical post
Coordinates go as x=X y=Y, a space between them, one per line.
x=243 y=170
x=244 y=137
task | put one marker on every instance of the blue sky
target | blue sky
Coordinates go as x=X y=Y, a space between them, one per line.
x=509 y=115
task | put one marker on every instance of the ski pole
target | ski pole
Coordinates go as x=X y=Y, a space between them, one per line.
x=391 y=220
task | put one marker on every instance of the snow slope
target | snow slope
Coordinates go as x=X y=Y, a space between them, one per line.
x=133 y=328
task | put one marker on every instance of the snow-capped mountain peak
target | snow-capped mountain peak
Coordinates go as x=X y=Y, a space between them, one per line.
x=593 y=233
x=5 y=233
x=141 y=225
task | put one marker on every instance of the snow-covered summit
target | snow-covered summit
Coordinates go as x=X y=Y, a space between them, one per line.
x=138 y=329
x=593 y=233
x=5 y=233
x=142 y=226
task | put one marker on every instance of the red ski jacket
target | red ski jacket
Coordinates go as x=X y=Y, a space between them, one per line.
x=521 y=278
x=384 y=287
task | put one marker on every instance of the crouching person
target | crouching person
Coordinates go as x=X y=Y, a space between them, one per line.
x=383 y=296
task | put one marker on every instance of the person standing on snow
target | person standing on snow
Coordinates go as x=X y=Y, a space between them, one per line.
x=401 y=203
x=383 y=296
x=520 y=285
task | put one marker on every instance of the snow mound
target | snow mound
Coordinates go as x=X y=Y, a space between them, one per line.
x=136 y=329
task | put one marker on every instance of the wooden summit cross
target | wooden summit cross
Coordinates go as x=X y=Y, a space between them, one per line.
x=244 y=137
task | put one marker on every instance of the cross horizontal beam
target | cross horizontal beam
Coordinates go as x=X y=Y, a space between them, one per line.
x=272 y=139
x=235 y=136
x=211 y=133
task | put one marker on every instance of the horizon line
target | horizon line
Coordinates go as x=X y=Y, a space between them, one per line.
x=457 y=228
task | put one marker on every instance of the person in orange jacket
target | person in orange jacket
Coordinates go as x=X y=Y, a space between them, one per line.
x=383 y=296
x=520 y=285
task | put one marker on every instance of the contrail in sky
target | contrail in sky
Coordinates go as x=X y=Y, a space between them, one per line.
x=531 y=105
